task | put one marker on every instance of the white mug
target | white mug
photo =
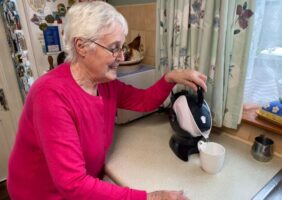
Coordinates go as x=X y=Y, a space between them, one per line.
x=211 y=156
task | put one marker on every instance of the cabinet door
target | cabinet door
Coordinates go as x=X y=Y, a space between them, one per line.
x=6 y=142
x=10 y=103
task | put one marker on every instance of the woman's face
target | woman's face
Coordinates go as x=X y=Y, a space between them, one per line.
x=99 y=62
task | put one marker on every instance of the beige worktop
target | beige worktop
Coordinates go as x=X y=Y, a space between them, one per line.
x=141 y=158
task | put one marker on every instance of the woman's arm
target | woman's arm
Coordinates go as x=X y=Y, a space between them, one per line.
x=142 y=100
x=151 y=98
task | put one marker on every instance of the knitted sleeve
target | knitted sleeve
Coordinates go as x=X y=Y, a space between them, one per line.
x=148 y=99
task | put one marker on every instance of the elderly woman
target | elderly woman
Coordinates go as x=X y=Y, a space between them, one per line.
x=66 y=126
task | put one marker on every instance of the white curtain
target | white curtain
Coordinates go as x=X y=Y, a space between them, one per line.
x=212 y=36
x=264 y=75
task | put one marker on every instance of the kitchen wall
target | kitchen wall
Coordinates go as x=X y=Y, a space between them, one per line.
x=141 y=20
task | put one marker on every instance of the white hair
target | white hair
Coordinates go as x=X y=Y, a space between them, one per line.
x=88 y=20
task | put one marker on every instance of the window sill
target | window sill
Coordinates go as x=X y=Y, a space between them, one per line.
x=251 y=117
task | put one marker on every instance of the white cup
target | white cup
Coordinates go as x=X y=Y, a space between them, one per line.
x=211 y=156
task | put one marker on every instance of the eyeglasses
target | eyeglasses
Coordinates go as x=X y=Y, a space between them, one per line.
x=115 y=52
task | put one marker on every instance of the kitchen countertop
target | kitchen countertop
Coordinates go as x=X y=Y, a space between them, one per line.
x=141 y=158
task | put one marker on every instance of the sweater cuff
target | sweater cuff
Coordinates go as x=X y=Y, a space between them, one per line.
x=168 y=85
x=139 y=194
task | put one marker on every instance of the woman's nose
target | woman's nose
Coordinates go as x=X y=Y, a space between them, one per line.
x=120 y=56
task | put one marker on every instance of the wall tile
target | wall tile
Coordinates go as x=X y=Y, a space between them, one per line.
x=137 y=15
x=150 y=43
x=125 y=12
x=150 y=19
x=149 y=60
x=128 y=37
x=141 y=20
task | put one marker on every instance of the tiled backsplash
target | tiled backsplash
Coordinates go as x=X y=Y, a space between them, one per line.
x=141 y=20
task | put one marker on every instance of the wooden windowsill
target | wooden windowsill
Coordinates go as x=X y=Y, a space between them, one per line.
x=251 y=117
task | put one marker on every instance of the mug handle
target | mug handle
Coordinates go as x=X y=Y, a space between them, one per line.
x=200 y=144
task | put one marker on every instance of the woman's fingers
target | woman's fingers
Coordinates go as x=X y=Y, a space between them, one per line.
x=187 y=77
x=197 y=79
x=166 y=195
x=191 y=85
x=203 y=77
x=201 y=83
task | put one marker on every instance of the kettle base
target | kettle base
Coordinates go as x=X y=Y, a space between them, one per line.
x=183 y=147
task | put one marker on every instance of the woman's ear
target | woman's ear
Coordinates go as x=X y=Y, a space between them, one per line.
x=80 y=47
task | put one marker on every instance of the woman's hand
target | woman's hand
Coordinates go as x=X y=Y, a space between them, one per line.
x=166 y=195
x=187 y=77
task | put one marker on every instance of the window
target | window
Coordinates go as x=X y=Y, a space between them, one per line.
x=264 y=74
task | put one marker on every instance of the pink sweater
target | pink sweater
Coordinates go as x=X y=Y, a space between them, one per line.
x=64 y=135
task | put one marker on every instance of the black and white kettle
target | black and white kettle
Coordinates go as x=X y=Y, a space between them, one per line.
x=191 y=120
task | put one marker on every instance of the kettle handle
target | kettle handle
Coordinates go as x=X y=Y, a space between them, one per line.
x=200 y=96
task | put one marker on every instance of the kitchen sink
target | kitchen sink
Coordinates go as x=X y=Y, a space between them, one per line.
x=272 y=190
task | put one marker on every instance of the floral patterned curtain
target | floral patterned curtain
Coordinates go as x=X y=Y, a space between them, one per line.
x=211 y=36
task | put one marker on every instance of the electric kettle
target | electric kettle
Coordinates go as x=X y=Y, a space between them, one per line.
x=191 y=120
